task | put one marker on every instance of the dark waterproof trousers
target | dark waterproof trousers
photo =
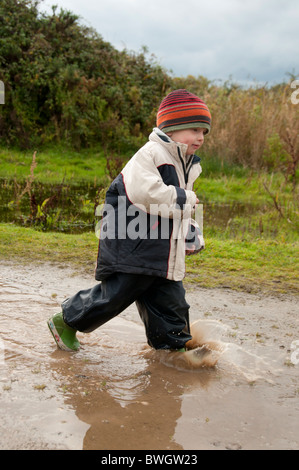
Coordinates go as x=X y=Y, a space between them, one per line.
x=160 y=302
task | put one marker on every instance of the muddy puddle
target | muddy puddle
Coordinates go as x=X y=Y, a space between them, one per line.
x=118 y=394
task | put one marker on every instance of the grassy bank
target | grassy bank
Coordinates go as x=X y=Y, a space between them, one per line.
x=263 y=265
x=54 y=165
x=218 y=183
x=255 y=248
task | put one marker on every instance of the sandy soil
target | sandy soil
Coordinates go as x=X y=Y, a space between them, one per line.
x=118 y=394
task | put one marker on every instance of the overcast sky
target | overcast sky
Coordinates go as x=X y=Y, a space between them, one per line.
x=245 y=40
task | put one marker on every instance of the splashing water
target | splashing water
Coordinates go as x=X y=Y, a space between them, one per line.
x=211 y=345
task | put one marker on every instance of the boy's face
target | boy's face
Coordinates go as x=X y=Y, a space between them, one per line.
x=193 y=137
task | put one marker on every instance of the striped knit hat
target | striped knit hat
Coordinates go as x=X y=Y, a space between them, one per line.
x=182 y=110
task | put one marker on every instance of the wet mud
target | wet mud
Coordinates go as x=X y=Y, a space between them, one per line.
x=118 y=394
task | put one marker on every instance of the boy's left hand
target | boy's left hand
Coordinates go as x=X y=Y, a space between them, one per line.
x=190 y=250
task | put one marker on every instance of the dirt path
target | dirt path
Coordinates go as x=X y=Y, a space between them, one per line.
x=116 y=393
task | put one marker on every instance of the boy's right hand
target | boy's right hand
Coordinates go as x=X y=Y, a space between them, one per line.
x=194 y=242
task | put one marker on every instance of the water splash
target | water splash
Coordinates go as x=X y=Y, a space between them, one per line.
x=212 y=346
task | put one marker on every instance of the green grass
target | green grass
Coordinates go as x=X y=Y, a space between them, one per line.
x=54 y=165
x=263 y=265
x=217 y=183
x=26 y=244
x=248 y=189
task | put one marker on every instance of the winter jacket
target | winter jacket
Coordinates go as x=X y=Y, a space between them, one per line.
x=147 y=212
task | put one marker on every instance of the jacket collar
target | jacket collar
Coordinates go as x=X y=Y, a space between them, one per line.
x=159 y=136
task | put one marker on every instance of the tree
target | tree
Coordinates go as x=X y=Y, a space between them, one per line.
x=64 y=82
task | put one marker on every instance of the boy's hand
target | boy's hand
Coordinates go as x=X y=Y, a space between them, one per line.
x=196 y=204
x=194 y=241
x=190 y=250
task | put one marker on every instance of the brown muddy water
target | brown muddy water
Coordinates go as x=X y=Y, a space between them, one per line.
x=118 y=394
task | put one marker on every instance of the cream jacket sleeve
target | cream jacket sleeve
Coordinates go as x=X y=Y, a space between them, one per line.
x=146 y=189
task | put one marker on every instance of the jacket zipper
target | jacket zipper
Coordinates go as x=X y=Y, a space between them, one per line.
x=183 y=166
x=187 y=168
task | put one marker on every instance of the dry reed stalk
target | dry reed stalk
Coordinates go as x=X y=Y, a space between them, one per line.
x=29 y=180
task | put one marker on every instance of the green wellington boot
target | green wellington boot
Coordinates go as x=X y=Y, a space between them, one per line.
x=64 y=335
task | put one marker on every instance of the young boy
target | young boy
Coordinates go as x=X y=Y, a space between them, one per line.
x=142 y=258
